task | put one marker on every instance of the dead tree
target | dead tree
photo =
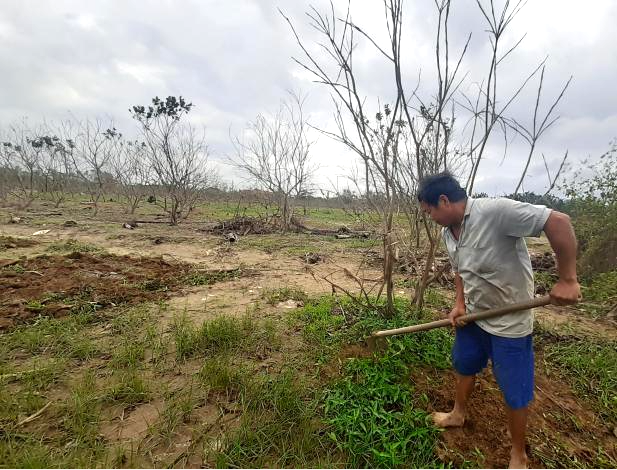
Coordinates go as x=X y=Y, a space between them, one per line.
x=415 y=135
x=22 y=161
x=94 y=141
x=274 y=153
x=131 y=173
x=177 y=154
x=55 y=165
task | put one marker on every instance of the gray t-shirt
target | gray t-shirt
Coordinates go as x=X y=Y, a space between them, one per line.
x=492 y=259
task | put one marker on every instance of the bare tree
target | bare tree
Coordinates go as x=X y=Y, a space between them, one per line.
x=22 y=160
x=274 y=152
x=177 y=154
x=131 y=173
x=55 y=165
x=93 y=142
x=414 y=135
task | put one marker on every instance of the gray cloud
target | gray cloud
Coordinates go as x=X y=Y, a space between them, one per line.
x=232 y=59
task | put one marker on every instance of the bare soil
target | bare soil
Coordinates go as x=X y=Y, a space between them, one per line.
x=53 y=285
x=558 y=422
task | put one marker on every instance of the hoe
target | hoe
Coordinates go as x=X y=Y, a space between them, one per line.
x=461 y=321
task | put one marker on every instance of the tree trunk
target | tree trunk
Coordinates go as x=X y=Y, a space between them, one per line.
x=388 y=268
x=423 y=284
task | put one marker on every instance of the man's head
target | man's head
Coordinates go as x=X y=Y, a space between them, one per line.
x=442 y=198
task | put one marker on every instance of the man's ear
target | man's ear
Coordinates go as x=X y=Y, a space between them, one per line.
x=443 y=200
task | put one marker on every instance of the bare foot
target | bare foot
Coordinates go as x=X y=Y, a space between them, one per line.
x=448 y=420
x=518 y=460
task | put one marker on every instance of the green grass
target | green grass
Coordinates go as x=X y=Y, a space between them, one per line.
x=177 y=410
x=61 y=337
x=77 y=445
x=358 y=243
x=223 y=334
x=283 y=294
x=129 y=354
x=128 y=388
x=219 y=335
x=219 y=374
x=207 y=278
x=328 y=323
x=16 y=268
x=73 y=246
x=599 y=294
x=278 y=427
x=545 y=280
x=591 y=367
x=82 y=411
x=375 y=419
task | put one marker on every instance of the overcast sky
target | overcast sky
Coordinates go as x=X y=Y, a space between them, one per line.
x=232 y=59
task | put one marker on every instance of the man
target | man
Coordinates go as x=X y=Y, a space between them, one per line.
x=484 y=239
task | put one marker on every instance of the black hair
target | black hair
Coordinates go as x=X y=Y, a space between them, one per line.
x=433 y=186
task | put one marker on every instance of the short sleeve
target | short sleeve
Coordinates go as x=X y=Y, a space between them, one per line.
x=520 y=219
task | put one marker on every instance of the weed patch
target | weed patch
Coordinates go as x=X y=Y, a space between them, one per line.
x=283 y=294
x=599 y=294
x=73 y=246
x=129 y=389
x=374 y=418
x=591 y=368
x=209 y=277
x=278 y=427
x=223 y=334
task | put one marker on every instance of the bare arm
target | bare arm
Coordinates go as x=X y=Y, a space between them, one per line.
x=560 y=234
x=459 y=304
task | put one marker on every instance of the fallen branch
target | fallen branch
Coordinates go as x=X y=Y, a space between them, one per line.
x=34 y=416
x=152 y=221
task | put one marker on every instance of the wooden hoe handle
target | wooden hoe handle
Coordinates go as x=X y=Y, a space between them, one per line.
x=495 y=312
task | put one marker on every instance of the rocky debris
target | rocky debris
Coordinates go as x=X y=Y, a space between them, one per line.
x=290 y=304
x=312 y=258
x=231 y=237
x=543 y=262
x=69 y=223
x=131 y=224
x=15 y=220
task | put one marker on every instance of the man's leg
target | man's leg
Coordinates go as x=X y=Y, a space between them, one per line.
x=513 y=365
x=456 y=417
x=517 y=422
x=469 y=356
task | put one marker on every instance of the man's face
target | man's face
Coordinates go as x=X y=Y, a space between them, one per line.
x=441 y=213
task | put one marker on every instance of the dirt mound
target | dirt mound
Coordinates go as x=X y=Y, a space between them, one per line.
x=7 y=243
x=57 y=285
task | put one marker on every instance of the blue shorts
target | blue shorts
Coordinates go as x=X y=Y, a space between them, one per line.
x=512 y=361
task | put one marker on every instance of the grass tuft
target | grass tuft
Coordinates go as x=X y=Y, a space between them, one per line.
x=73 y=246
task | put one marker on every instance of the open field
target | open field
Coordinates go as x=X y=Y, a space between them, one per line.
x=171 y=347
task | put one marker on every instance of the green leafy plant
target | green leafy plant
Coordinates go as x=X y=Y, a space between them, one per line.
x=374 y=419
